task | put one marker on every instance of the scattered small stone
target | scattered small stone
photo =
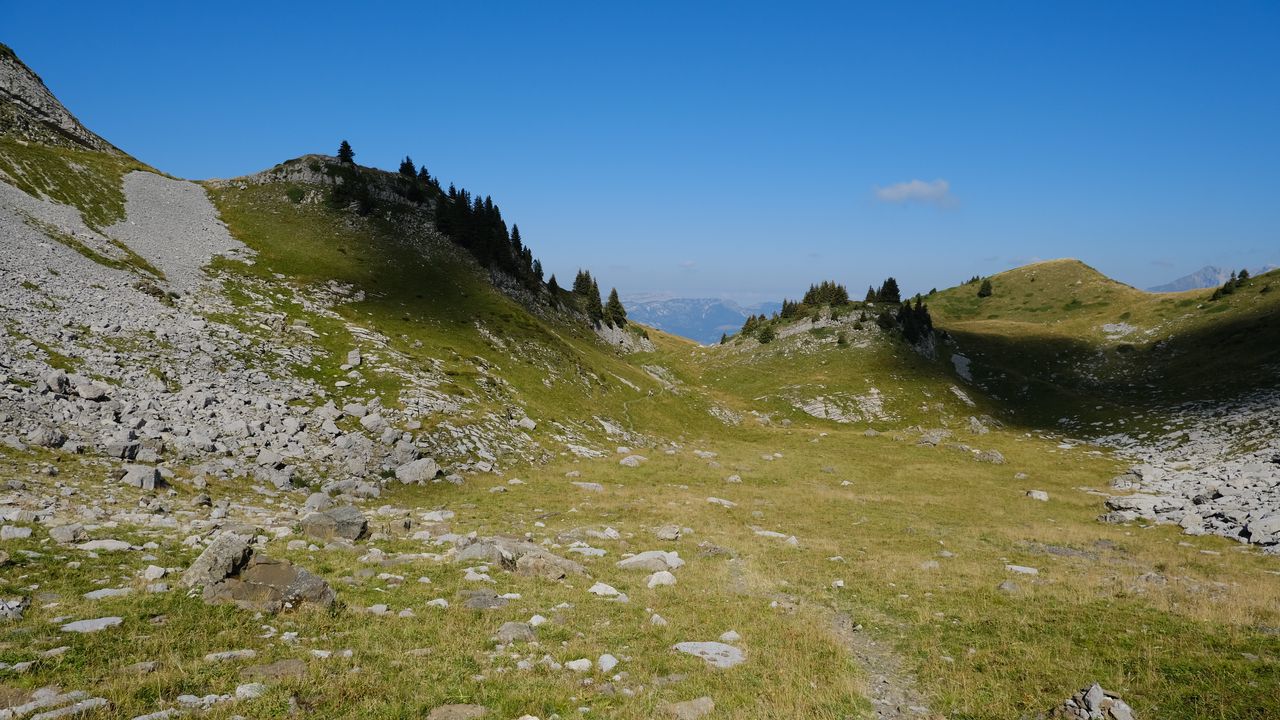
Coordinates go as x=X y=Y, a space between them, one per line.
x=458 y=712
x=716 y=654
x=1092 y=703
x=231 y=655
x=661 y=578
x=512 y=632
x=603 y=590
x=667 y=532
x=691 y=709
x=249 y=691
x=92 y=626
x=279 y=670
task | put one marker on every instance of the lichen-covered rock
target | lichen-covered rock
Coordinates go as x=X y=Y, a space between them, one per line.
x=340 y=522
x=268 y=585
x=231 y=571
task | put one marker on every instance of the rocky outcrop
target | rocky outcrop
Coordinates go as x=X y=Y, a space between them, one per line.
x=30 y=112
x=626 y=339
x=231 y=571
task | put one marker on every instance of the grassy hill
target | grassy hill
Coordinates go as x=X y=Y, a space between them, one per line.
x=1058 y=338
x=437 y=306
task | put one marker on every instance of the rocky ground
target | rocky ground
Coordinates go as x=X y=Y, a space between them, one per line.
x=1210 y=468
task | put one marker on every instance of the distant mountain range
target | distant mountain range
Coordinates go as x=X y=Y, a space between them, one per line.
x=1206 y=277
x=700 y=319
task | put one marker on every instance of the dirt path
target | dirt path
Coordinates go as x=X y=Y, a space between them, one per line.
x=890 y=687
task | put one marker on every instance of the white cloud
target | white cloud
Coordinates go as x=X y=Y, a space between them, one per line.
x=937 y=192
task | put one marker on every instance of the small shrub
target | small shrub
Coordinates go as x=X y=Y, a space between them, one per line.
x=766 y=335
x=295 y=194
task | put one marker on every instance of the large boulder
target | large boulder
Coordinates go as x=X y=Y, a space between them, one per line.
x=223 y=557
x=90 y=389
x=417 y=472
x=45 y=436
x=231 y=571
x=652 y=561
x=57 y=382
x=141 y=476
x=268 y=585
x=65 y=534
x=340 y=522
x=1265 y=530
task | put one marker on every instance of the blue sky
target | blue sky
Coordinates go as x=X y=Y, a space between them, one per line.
x=731 y=149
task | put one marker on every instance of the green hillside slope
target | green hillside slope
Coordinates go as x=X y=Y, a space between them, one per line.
x=1058 y=338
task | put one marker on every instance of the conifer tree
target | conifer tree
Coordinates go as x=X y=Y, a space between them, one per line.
x=889 y=292
x=345 y=153
x=595 y=308
x=826 y=293
x=871 y=294
x=407 y=168
x=766 y=335
x=582 y=284
x=553 y=286
x=516 y=244
x=614 y=313
x=985 y=289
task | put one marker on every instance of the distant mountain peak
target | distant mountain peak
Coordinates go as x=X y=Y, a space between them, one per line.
x=1206 y=277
